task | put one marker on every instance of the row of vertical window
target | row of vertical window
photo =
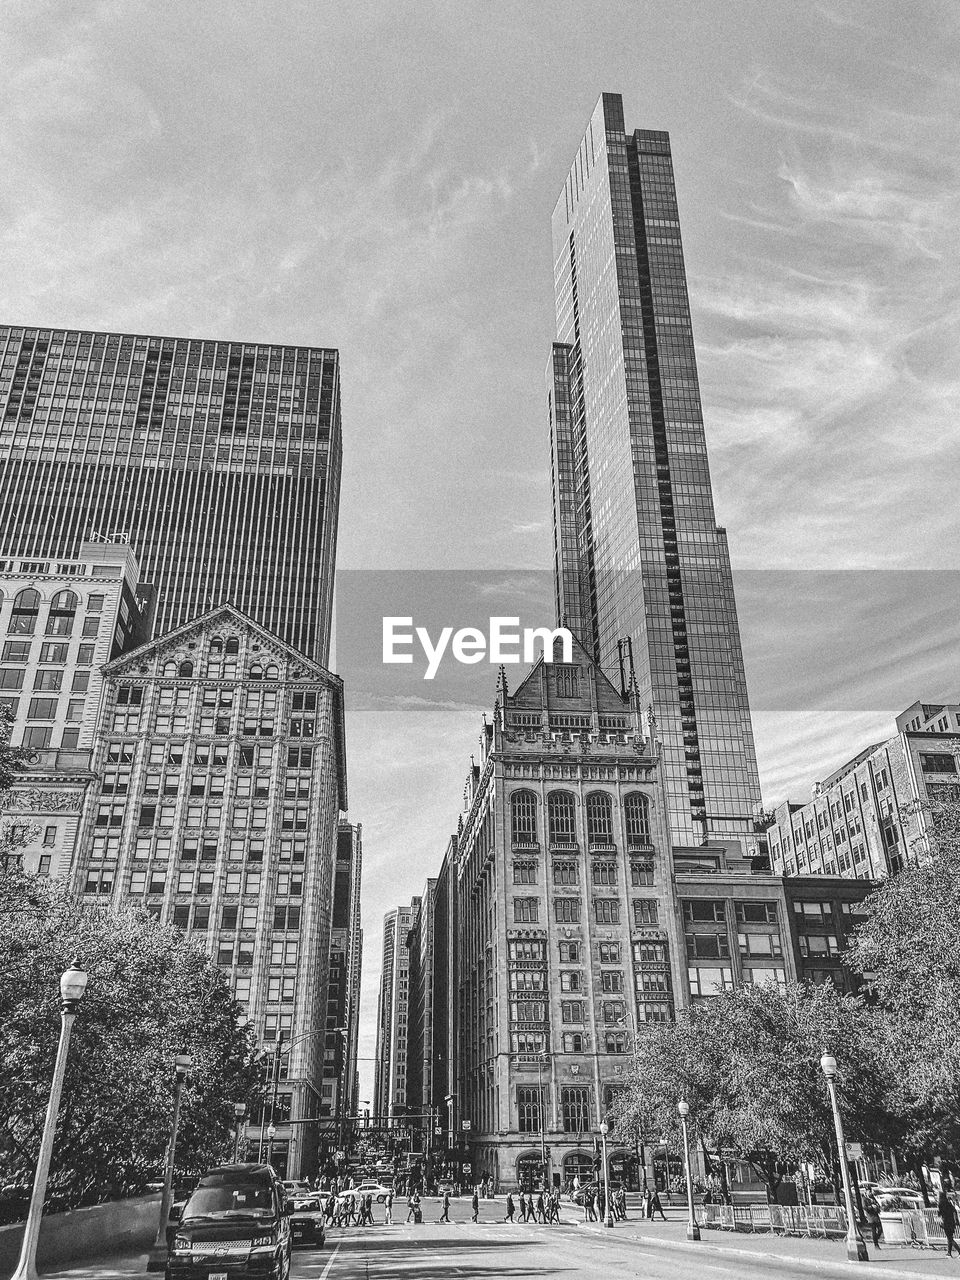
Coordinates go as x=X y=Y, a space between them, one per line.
x=568 y=873
x=561 y=818
x=568 y=911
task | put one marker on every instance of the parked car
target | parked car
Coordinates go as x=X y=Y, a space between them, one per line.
x=898 y=1198
x=238 y=1218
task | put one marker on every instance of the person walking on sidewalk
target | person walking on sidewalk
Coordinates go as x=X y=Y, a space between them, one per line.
x=388 y=1208
x=947 y=1212
x=445 y=1216
x=413 y=1212
x=511 y=1209
x=871 y=1211
x=656 y=1206
x=476 y=1205
x=541 y=1210
x=523 y=1207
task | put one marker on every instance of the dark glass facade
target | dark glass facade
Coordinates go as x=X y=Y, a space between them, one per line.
x=219 y=462
x=638 y=551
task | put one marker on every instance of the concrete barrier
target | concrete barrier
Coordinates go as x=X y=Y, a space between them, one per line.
x=117 y=1227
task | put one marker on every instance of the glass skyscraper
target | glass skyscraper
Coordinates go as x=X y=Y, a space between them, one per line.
x=219 y=462
x=638 y=554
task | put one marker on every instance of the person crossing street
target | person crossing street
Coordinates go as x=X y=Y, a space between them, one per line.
x=445 y=1215
x=510 y=1208
x=476 y=1205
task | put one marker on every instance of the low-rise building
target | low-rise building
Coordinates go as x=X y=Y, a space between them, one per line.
x=871 y=816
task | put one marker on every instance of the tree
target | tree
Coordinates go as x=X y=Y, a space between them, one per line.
x=748 y=1063
x=908 y=950
x=12 y=838
x=151 y=995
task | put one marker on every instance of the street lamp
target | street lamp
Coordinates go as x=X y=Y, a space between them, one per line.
x=449 y=1100
x=239 y=1111
x=543 y=1142
x=693 y=1231
x=856 y=1245
x=271 y=1134
x=157 y=1261
x=607 y=1214
x=73 y=983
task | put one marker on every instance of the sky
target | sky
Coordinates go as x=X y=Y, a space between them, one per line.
x=379 y=176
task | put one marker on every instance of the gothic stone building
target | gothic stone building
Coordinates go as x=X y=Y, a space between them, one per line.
x=567 y=936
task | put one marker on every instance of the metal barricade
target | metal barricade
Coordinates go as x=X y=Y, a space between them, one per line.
x=936 y=1237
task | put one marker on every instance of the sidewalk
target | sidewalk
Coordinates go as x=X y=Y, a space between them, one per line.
x=819 y=1255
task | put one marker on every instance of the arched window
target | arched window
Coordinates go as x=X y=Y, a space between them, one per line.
x=63 y=609
x=573 y=1042
x=562 y=817
x=169 y=670
x=233 y=646
x=599 y=818
x=216 y=648
x=26 y=607
x=636 y=807
x=523 y=814
x=185 y=671
x=272 y=672
x=256 y=671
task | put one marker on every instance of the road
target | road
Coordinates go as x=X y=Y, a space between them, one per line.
x=445 y=1251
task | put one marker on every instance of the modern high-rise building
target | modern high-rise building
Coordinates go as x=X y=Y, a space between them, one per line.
x=642 y=572
x=218 y=462
x=337 y=1102
x=393 y=1010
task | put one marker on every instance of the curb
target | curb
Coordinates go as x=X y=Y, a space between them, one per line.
x=809 y=1264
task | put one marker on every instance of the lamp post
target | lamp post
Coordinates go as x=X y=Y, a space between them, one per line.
x=239 y=1111
x=449 y=1100
x=157 y=1260
x=271 y=1134
x=693 y=1230
x=856 y=1245
x=607 y=1214
x=73 y=983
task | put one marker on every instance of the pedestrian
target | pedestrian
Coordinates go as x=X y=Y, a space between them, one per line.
x=590 y=1205
x=445 y=1215
x=540 y=1209
x=476 y=1205
x=388 y=1209
x=510 y=1208
x=413 y=1209
x=656 y=1206
x=871 y=1209
x=523 y=1207
x=948 y=1217
x=647 y=1205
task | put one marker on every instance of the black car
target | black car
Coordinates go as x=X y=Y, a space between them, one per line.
x=306 y=1221
x=235 y=1224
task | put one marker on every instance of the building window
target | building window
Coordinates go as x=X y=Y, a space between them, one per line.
x=709 y=981
x=561 y=815
x=611 y=981
x=523 y=812
x=819 y=945
x=531 y=1043
x=575 y=1109
x=36 y=737
x=566 y=910
x=756 y=912
x=645 y=914
x=615 y=1041
x=49 y=837
x=571 y=1011
x=565 y=873
x=567 y=680
x=569 y=952
x=701 y=911
x=524 y=873
x=609 y=952
x=605 y=873
x=528 y=1109
x=525 y=910
x=599 y=818
x=636 y=808
x=26 y=609
x=641 y=874
x=606 y=910
x=571 y=980
x=937 y=762
x=708 y=946
x=63 y=608
x=526 y=949
x=760 y=944
x=573 y=1042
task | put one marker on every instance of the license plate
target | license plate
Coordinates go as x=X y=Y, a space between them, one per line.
x=218 y=1275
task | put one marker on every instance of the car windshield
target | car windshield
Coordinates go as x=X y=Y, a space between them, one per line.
x=233 y=1200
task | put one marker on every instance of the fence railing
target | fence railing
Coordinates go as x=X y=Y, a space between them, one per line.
x=920 y=1228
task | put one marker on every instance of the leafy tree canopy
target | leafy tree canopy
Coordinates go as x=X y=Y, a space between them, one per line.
x=151 y=995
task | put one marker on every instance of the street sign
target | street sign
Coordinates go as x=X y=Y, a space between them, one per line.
x=854 y=1150
x=464 y=1124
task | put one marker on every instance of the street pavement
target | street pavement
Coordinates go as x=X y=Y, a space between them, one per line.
x=436 y=1251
